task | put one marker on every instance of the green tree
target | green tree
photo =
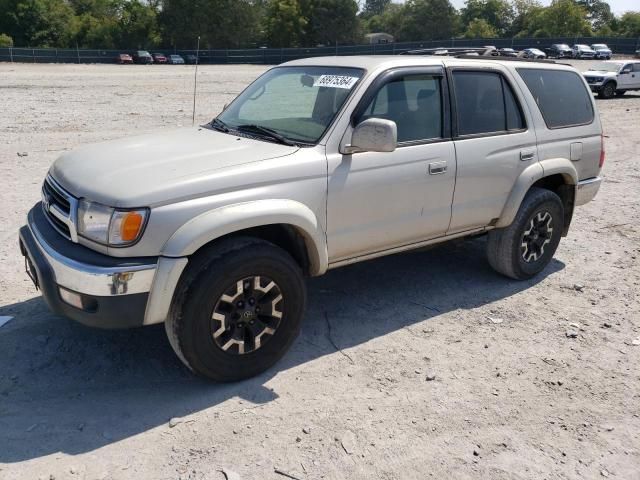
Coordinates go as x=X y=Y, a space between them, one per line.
x=629 y=24
x=480 y=28
x=524 y=11
x=374 y=7
x=428 y=20
x=5 y=41
x=563 y=18
x=391 y=21
x=598 y=12
x=497 y=14
x=219 y=23
x=331 y=21
x=284 y=23
x=38 y=23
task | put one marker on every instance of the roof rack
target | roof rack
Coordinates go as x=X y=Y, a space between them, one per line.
x=450 y=51
x=472 y=53
x=506 y=59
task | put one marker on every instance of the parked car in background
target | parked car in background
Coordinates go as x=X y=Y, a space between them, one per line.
x=142 y=57
x=124 y=58
x=582 y=51
x=190 y=59
x=638 y=53
x=507 y=52
x=559 y=50
x=159 y=58
x=614 y=77
x=175 y=60
x=602 y=51
x=533 y=53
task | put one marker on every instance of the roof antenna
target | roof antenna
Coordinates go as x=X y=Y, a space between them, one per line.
x=195 y=84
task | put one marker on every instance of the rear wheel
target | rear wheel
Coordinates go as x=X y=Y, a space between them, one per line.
x=525 y=248
x=237 y=310
x=608 y=90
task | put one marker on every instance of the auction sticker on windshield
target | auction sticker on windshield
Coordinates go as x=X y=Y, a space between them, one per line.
x=335 y=81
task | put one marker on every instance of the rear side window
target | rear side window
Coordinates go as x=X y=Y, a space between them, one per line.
x=636 y=67
x=485 y=104
x=561 y=96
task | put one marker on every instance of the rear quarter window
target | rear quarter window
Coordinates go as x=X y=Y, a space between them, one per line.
x=561 y=95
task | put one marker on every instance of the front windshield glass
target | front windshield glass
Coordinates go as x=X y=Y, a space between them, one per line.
x=298 y=103
x=605 y=67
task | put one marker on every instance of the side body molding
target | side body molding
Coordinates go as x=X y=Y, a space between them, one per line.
x=528 y=177
x=225 y=220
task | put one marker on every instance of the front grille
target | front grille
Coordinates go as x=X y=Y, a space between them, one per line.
x=56 y=197
x=59 y=208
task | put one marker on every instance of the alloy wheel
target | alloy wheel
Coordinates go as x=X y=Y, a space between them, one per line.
x=537 y=236
x=247 y=315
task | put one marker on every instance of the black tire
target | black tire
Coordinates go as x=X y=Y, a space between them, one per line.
x=191 y=325
x=620 y=92
x=608 y=90
x=505 y=246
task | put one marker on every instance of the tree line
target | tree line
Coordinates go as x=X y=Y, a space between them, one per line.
x=128 y=24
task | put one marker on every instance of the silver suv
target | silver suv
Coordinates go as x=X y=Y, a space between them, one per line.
x=319 y=163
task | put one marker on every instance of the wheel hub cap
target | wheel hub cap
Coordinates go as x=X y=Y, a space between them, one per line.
x=247 y=315
x=537 y=236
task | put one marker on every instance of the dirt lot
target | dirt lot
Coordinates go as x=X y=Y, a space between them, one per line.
x=513 y=396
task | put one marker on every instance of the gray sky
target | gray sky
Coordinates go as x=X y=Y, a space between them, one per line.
x=618 y=6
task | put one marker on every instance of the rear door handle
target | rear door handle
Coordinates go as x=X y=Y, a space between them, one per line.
x=437 y=168
x=525 y=156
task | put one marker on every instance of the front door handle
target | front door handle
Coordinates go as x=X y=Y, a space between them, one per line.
x=525 y=156
x=437 y=168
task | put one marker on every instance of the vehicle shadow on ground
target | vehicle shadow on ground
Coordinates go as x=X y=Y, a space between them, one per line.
x=71 y=389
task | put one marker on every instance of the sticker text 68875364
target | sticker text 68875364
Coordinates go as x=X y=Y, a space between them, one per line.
x=335 y=81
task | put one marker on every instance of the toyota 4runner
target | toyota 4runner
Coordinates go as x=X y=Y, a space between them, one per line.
x=319 y=163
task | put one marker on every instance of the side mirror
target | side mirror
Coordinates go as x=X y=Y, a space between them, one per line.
x=373 y=135
x=626 y=70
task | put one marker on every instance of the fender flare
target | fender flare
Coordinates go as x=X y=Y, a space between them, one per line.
x=529 y=176
x=222 y=221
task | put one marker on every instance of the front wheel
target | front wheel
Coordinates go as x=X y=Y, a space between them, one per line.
x=608 y=91
x=525 y=248
x=237 y=309
x=620 y=92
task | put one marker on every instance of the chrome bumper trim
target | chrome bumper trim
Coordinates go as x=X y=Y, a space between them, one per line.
x=93 y=280
x=587 y=190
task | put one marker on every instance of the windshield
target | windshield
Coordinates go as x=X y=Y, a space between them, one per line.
x=297 y=103
x=599 y=47
x=605 y=67
x=562 y=45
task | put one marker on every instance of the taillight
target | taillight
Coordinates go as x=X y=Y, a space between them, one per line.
x=601 y=151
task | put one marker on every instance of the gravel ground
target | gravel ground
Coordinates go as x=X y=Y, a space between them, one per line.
x=421 y=365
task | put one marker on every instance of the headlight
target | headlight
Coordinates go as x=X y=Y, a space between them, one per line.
x=110 y=226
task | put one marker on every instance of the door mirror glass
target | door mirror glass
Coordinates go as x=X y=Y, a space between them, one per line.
x=626 y=70
x=373 y=135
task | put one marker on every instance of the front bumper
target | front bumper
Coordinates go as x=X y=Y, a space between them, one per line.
x=113 y=292
x=587 y=190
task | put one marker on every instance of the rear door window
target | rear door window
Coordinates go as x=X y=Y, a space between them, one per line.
x=561 y=95
x=485 y=104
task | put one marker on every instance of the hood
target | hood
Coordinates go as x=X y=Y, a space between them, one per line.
x=598 y=73
x=157 y=168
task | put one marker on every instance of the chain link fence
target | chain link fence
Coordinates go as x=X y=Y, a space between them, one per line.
x=272 y=56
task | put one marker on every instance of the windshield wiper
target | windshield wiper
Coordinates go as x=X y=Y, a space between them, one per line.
x=268 y=132
x=219 y=125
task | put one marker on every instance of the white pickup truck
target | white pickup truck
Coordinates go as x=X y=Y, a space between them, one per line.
x=614 y=77
x=319 y=163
